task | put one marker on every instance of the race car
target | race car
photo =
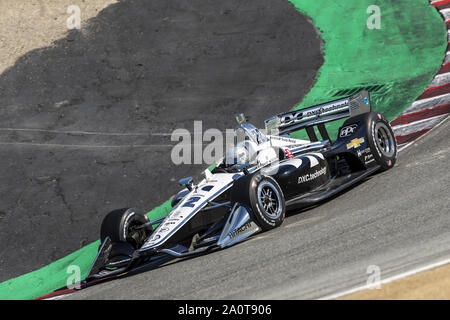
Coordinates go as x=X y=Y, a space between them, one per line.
x=262 y=175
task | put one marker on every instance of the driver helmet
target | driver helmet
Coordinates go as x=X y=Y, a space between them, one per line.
x=244 y=152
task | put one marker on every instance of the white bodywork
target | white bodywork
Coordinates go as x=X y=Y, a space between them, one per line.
x=189 y=206
x=262 y=153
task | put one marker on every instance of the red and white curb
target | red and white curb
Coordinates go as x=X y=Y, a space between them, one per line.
x=433 y=106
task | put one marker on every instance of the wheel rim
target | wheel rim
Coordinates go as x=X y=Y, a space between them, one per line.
x=134 y=235
x=269 y=199
x=384 y=140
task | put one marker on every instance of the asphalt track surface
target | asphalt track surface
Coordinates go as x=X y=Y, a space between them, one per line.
x=397 y=220
x=70 y=113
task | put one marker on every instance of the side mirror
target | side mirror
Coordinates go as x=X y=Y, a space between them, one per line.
x=187 y=182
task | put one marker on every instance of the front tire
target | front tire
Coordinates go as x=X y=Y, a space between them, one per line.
x=120 y=226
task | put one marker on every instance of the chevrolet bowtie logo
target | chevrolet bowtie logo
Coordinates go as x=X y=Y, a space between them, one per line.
x=355 y=143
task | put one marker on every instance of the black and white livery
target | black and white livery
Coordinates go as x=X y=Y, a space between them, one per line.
x=249 y=191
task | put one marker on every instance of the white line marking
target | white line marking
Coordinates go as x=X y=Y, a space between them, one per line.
x=404 y=146
x=59 y=297
x=85 y=132
x=80 y=146
x=387 y=280
x=419 y=138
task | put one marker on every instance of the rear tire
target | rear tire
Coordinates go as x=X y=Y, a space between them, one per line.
x=382 y=141
x=120 y=226
x=267 y=202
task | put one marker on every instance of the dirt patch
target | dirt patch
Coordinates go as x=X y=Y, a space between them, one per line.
x=33 y=24
x=433 y=284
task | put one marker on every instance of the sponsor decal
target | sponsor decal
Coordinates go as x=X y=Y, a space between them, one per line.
x=348 y=131
x=239 y=230
x=363 y=152
x=368 y=159
x=367 y=154
x=366 y=100
x=293 y=117
x=326 y=109
x=355 y=143
x=312 y=176
x=284 y=139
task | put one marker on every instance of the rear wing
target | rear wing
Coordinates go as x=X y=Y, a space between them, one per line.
x=318 y=115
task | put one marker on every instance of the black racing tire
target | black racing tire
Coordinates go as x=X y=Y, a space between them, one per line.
x=382 y=141
x=267 y=202
x=119 y=225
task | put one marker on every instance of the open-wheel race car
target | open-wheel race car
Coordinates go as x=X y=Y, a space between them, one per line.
x=261 y=176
